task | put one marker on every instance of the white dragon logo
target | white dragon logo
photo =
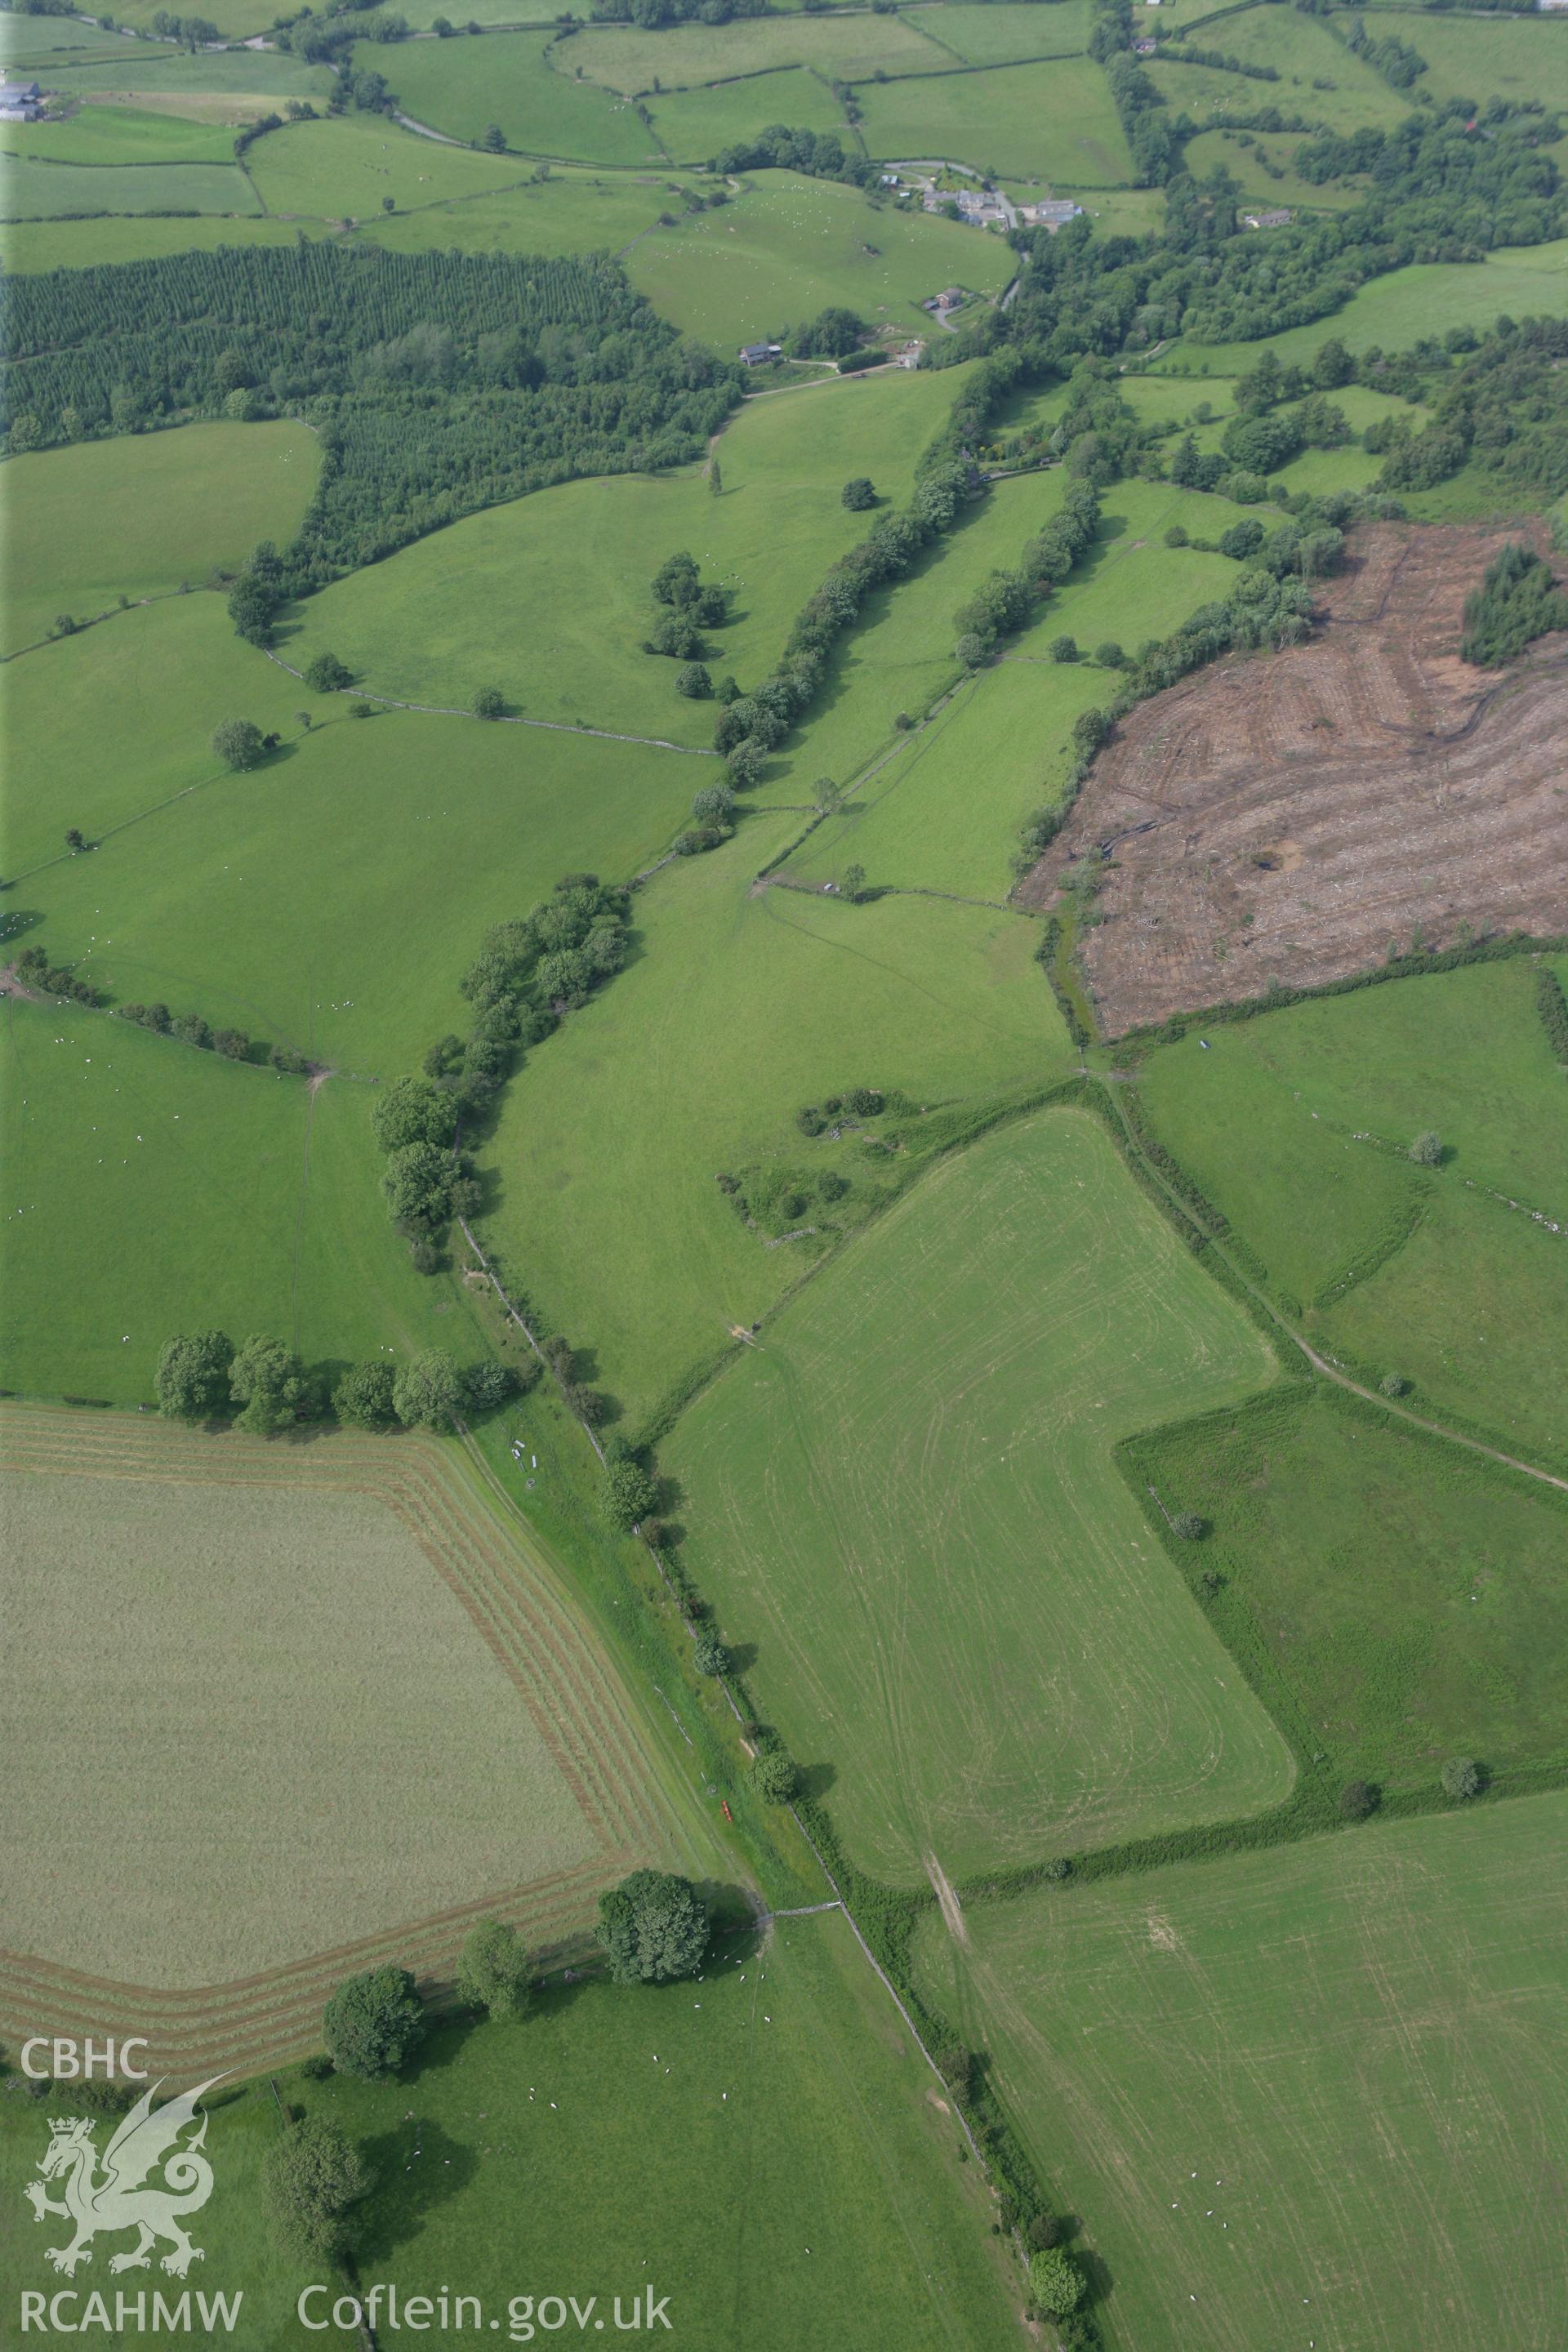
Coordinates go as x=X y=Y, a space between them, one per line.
x=142 y=2142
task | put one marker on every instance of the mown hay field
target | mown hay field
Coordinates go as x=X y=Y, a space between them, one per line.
x=1052 y=121
x=492 y=597
x=137 y=516
x=906 y=1499
x=741 y=1006
x=1398 y=1600
x=1302 y=2096
x=788 y=247
x=522 y=83
x=1297 y=1125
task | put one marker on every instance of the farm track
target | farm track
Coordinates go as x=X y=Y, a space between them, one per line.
x=565 y=1687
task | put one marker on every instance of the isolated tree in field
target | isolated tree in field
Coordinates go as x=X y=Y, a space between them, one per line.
x=694 y=682
x=654 y=1925
x=75 y=839
x=1392 y=1384
x=853 y=882
x=266 y=1379
x=372 y=2022
x=827 y=797
x=489 y=702
x=362 y=1398
x=715 y=479
x=303 y=720
x=1357 y=1800
x=1188 y=1526
x=494 y=138
x=1428 y=1148
x=775 y=1776
x=1110 y=654
x=427 y=1392
x=327 y=673
x=630 y=1494
x=1064 y=649
x=312 y=2177
x=1461 y=1777
x=238 y=744
x=709 y=1654
x=1056 y=2282
x=493 y=1971
x=413 y=1110
x=859 y=494
x=192 y=1378
x=389 y=204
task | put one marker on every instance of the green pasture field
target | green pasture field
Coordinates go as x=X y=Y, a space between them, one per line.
x=86 y=244
x=778 y=997
x=137 y=515
x=242 y=2256
x=1517 y=57
x=115 y=1137
x=569 y=213
x=694 y=125
x=996 y=32
x=1122 y=212
x=788 y=247
x=489 y=598
x=899 y=659
x=840 y=47
x=1396 y=311
x=1309 y=2091
x=1053 y=121
x=1304 y=51
x=945 y=814
x=236 y=20
x=200 y=894
x=30 y=191
x=342 y=169
x=151 y=71
x=1261 y=187
x=319 y=1612
x=1397 y=1268
x=816 y=2198
x=907 y=1496
x=120 y=134
x=463 y=86
x=1396 y=1599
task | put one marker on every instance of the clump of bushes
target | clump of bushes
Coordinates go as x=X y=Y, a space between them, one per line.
x=1517 y=600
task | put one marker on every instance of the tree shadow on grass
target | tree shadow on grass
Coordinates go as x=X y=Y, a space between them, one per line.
x=417 y=2168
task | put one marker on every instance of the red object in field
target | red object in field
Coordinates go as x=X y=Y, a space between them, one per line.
x=729 y=1816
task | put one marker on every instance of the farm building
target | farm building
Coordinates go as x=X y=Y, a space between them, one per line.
x=1053 y=214
x=1279 y=219
x=759 y=354
x=948 y=299
x=23 y=103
